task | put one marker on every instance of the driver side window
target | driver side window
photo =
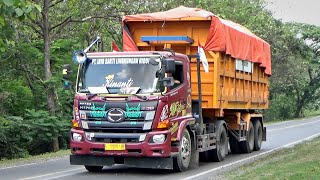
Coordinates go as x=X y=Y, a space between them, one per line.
x=178 y=75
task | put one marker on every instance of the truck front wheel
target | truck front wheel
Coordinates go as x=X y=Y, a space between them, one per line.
x=94 y=168
x=182 y=161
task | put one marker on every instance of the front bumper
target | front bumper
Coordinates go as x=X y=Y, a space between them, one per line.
x=138 y=149
x=140 y=162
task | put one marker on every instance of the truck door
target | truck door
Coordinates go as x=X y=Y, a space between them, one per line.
x=178 y=92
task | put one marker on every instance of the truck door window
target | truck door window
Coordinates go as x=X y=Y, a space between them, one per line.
x=178 y=75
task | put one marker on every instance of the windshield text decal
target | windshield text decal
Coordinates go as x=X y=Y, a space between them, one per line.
x=123 y=60
x=110 y=82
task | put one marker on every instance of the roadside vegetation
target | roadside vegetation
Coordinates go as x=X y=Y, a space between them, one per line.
x=300 y=162
x=35 y=110
x=308 y=114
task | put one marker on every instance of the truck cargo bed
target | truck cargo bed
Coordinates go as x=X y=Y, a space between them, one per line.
x=229 y=84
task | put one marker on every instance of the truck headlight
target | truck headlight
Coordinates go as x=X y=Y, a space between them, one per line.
x=77 y=137
x=159 y=138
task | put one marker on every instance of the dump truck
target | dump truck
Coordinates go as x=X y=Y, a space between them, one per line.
x=187 y=86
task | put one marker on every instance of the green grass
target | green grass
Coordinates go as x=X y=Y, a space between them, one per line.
x=299 y=162
x=36 y=158
x=308 y=114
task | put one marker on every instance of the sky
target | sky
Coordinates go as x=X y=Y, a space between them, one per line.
x=304 y=11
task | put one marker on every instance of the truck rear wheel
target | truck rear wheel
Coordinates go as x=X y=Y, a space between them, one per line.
x=94 y=168
x=218 y=154
x=221 y=150
x=247 y=145
x=182 y=161
x=257 y=135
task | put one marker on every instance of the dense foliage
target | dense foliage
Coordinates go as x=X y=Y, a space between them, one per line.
x=38 y=37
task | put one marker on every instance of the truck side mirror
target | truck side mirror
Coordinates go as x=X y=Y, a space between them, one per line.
x=153 y=61
x=66 y=72
x=168 y=82
x=170 y=66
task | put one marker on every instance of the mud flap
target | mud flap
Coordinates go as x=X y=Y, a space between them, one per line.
x=264 y=134
x=194 y=162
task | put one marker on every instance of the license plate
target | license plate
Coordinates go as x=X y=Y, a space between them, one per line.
x=114 y=147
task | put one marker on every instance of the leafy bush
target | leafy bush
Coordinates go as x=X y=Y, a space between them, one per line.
x=32 y=135
x=16 y=97
x=281 y=107
x=44 y=129
x=14 y=137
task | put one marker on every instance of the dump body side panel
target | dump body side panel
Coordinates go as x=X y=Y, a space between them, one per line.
x=223 y=87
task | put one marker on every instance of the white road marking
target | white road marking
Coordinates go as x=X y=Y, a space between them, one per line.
x=252 y=157
x=293 y=126
x=9 y=167
x=19 y=166
x=61 y=176
x=50 y=174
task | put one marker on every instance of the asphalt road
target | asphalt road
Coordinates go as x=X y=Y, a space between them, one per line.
x=280 y=135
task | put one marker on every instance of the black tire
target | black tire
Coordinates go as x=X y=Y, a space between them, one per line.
x=182 y=161
x=247 y=145
x=94 y=168
x=257 y=135
x=219 y=154
x=234 y=144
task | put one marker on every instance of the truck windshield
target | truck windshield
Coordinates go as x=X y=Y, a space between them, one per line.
x=119 y=75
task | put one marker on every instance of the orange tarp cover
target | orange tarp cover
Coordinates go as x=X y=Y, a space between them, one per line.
x=224 y=35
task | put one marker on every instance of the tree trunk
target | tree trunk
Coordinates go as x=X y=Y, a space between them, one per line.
x=301 y=102
x=299 y=110
x=47 y=67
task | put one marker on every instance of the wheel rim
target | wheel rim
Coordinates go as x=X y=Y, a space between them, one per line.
x=185 y=151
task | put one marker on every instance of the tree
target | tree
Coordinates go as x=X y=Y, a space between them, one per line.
x=12 y=8
x=57 y=16
x=310 y=51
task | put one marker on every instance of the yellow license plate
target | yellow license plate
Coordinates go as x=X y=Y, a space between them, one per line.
x=114 y=147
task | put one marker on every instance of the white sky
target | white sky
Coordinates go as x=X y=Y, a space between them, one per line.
x=305 y=11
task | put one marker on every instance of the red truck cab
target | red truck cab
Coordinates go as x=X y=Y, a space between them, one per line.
x=121 y=112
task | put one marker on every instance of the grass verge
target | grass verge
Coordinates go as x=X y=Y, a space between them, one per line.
x=32 y=159
x=300 y=162
x=309 y=114
x=312 y=113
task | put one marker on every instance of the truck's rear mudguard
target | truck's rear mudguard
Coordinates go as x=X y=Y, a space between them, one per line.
x=264 y=134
